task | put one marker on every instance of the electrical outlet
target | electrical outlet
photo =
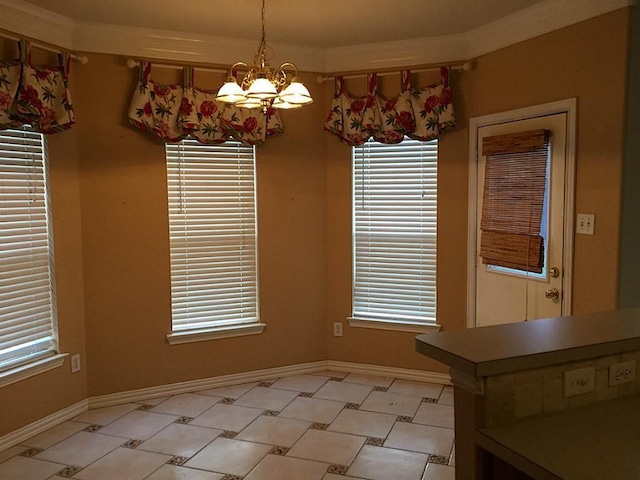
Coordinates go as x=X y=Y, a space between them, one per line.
x=75 y=363
x=579 y=381
x=624 y=372
x=585 y=223
x=337 y=329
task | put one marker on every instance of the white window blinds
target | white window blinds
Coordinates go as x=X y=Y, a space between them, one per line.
x=394 y=225
x=212 y=222
x=27 y=299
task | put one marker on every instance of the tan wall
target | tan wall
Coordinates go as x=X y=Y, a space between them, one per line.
x=114 y=176
x=36 y=397
x=126 y=248
x=586 y=61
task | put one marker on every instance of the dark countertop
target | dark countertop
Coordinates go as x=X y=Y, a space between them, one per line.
x=597 y=442
x=514 y=347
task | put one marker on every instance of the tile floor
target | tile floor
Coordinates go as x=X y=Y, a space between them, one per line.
x=322 y=426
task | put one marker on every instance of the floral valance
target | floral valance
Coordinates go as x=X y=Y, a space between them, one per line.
x=174 y=112
x=35 y=95
x=418 y=113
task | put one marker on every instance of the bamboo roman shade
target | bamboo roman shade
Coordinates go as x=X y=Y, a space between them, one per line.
x=514 y=192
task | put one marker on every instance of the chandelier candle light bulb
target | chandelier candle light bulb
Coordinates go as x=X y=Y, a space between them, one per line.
x=263 y=87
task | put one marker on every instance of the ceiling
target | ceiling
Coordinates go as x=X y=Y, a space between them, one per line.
x=310 y=23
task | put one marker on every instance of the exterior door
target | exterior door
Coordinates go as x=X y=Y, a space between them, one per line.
x=509 y=295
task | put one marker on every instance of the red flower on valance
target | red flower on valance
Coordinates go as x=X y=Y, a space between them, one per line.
x=35 y=95
x=173 y=112
x=419 y=113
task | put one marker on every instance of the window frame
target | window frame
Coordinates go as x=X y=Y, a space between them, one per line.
x=358 y=317
x=179 y=183
x=24 y=153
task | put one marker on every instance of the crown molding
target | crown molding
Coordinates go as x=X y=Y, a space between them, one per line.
x=37 y=23
x=25 y=19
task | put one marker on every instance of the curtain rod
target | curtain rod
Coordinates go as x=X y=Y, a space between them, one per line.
x=83 y=59
x=466 y=66
x=131 y=63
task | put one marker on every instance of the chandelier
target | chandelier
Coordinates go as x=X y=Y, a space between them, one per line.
x=263 y=86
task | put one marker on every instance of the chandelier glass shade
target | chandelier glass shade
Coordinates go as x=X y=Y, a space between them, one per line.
x=263 y=86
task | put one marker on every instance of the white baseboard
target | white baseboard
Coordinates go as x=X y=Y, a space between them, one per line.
x=204 y=384
x=39 y=426
x=403 y=373
x=60 y=416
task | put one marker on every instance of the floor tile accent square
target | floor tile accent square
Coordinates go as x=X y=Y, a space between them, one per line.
x=183 y=420
x=232 y=391
x=389 y=402
x=274 y=431
x=301 y=383
x=380 y=389
x=177 y=460
x=344 y=392
x=227 y=417
x=319 y=426
x=275 y=467
x=312 y=410
x=68 y=472
x=54 y=435
x=439 y=472
x=25 y=468
x=332 y=476
x=416 y=389
x=180 y=440
x=279 y=450
x=228 y=434
x=186 y=404
x=439 y=459
x=123 y=463
x=152 y=401
x=306 y=394
x=228 y=456
x=360 y=422
x=435 y=414
x=328 y=447
x=131 y=444
x=140 y=425
x=232 y=477
x=267 y=398
x=380 y=463
x=352 y=406
x=339 y=469
x=145 y=407
x=174 y=472
x=373 y=380
x=265 y=384
x=421 y=438
x=271 y=413
x=105 y=415
x=375 y=441
x=429 y=400
x=92 y=428
x=81 y=449
x=404 y=418
x=228 y=401
x=31 y=452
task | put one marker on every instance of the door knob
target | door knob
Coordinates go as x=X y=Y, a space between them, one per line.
x=552 y=294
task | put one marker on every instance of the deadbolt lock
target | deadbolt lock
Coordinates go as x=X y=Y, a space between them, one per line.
x=554 y=272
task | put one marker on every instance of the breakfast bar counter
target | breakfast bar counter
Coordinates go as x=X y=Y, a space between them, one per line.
x=512 y=412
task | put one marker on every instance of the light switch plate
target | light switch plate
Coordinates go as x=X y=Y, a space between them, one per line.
x=585 y=223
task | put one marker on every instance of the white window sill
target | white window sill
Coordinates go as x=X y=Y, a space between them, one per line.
x=30 y=369
x=415 y=327
x=189 y=336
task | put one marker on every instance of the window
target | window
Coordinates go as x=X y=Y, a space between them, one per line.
x=394 y=235
x=28 y=330
x=212 y=228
